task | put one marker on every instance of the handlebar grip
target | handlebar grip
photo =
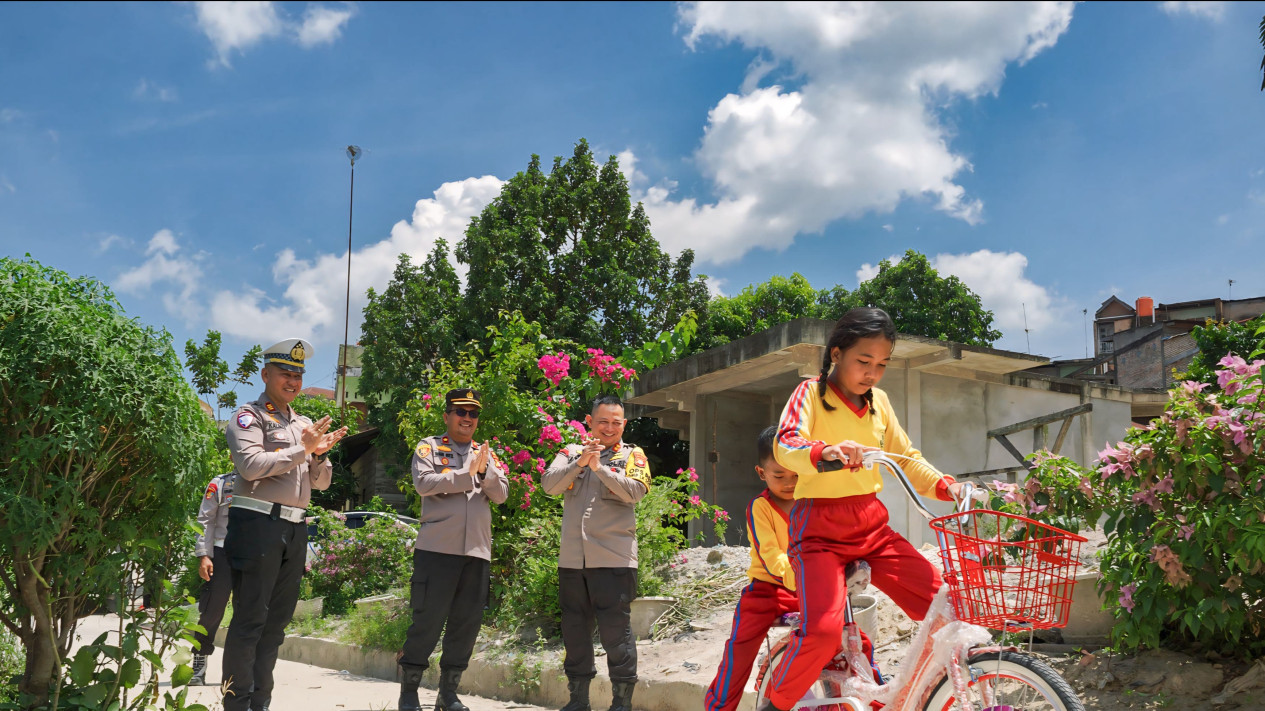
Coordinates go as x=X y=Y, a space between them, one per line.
x=829 y=465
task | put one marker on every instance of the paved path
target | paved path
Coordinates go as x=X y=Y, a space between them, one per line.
x=302 y=687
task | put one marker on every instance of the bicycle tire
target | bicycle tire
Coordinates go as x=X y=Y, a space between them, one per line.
x=816 y=691
x=1039 y=685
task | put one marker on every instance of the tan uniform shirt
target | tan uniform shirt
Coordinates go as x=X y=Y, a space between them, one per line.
x=456 y=518
x=599 y=528
x=266 y=443
x=213 y=515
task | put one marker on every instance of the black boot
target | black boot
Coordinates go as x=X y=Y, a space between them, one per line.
x=410 y=678
x=621 y=695
x=447 y=699
x=579 y=688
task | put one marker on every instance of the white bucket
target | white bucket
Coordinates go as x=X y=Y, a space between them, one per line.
x=865 y=613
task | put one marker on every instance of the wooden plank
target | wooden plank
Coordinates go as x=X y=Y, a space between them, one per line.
x=1063 y=430
x=1042 y=420
x=1013 y=451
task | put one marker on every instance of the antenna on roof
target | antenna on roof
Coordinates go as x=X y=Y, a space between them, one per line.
x=1026 y=337
x=1085 y=318
x=1230 y=295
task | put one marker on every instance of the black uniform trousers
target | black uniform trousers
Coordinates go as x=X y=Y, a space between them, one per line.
x=268 y=556
x=600 y=597
x=445 y=588
x=212 y=600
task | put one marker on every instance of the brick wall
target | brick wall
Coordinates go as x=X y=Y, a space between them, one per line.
x=1142 y=366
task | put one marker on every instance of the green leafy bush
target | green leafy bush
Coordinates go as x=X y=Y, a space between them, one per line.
x=382 y=626
x=352 y=564
x=1184 y=507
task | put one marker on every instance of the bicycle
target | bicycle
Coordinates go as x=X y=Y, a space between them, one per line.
x=1002 y=572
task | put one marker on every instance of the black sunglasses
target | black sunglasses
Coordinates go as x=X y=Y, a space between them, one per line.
x=463 y=412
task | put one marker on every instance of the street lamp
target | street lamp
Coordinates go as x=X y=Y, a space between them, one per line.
x=353 y=152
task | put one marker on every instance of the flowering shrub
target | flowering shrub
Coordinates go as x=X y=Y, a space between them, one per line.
x=670 y=504
x=532 y=407
x=352 y=564
x=1184 y=500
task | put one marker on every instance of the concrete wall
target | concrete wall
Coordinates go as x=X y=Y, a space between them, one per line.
x=947 y=418
x=728 y=424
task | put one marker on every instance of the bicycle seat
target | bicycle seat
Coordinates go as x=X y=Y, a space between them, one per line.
x=790 y=619
x=857 y=573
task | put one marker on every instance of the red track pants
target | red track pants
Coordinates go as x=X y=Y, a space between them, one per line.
x=759 y=607
x=825 y=535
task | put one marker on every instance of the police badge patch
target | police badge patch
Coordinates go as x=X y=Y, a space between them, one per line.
x=423 y=450
x=245 y=420
x=210 y=490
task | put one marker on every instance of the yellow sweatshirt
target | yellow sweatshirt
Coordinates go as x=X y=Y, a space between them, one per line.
x=767 y=527
x=806 y=428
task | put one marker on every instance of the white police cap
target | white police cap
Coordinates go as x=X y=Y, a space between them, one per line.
x=289 y=354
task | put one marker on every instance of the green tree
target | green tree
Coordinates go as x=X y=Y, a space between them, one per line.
x=1218 y=339
x=106 y=452
x=923 y=303
x=207 y=369
x=406 y=328
x=343 y=486
x=571 y=252
x=760 y=306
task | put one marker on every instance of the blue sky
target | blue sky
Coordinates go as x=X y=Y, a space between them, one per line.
x=191 y=155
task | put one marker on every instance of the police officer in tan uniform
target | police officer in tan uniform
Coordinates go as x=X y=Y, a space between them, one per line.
x=214 y=568
x=456 y=478
x=601 y=483
x=279 y=456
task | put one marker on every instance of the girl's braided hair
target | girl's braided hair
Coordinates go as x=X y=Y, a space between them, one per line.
x=858 y=323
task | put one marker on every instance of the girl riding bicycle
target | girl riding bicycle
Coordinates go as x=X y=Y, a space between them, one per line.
x=837 y=516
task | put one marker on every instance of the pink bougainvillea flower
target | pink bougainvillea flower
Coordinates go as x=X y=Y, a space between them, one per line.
x=578 y=427
x=550 y=435
x=695 y=500
x=1086 y=487
x=546 y=415
x=521 y=457
x=1186 y=532
x=555 y=367
x=1126 y=596
x=693 y=475
x=1192 y=387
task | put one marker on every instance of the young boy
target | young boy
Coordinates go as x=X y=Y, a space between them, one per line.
x=771 y=592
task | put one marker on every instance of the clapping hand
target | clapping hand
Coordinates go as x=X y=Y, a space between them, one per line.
x=591 y=455
x=317 y=439
x=480 y=464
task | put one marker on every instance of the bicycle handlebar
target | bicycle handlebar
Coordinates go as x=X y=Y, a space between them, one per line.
x=872 y=457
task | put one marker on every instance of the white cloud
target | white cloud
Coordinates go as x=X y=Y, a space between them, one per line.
x=860 y=134
x=1040 y=105
x=9 y=115
x=238 y=26
x=312 y=302
x=716 y=286
x=1223 y=219
x=999 y=280
x=889 y=228
x=147 y=90
x=6 y=185
x=322 y=25
x=109 y=241
x=166 y=265
x=1206 y=10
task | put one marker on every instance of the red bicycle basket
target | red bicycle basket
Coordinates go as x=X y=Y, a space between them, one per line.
x=1006 y=571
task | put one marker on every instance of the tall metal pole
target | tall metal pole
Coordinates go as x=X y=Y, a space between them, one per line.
x=353 y=152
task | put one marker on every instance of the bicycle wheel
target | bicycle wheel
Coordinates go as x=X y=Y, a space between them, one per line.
x=1010 y=681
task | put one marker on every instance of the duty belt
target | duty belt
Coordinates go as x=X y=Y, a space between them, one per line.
x=292 y=514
